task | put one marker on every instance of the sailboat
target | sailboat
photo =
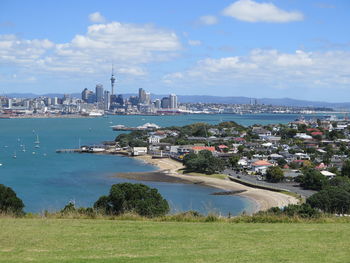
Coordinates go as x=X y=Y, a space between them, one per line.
x=14 y=155
x=37 y=142
x=37 y=139
x=24 y=148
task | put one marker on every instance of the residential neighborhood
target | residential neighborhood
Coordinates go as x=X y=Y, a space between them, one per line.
x=248 y=153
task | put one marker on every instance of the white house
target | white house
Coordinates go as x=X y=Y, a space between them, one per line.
x=136 y=151
x=154 y=139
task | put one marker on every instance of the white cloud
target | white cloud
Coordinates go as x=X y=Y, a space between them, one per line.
x=170 y=78
x=208 y=20
x=194 y=42
x=128 y=46
x=250 y=11
x=97 y=18
x=269 y=68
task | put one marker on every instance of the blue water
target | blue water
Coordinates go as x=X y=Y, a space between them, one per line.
x=45 y=180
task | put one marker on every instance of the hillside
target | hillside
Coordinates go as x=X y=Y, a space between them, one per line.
x=85 y=240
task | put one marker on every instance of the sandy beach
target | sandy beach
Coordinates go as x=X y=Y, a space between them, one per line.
x=168 y=168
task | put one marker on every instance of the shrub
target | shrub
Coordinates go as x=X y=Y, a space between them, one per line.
x=137 y=198
x=9 y=202
x=303 y=211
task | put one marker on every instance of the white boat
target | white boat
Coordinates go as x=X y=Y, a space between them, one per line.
x=24 y=148
x=95 y=114
x=37 y=139
x=96 y=149
x=14 y=155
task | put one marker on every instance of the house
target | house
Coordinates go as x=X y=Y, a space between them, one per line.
x=136 y=151
x=242 y=162
x=261 y=166
x=222 y=147
x=317 y=133
x=197 y=149
x=329 y=175
x=276 y=156
x=303 y=136
x=321 y=166
x=154 y=139
x=302 y=156
x=261 y=132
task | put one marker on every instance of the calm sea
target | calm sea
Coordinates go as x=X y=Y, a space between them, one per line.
x=45 y=180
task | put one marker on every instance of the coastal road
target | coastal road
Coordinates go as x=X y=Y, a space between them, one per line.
x=292 y=187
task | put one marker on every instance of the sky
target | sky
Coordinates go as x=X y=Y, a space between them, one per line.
x=261 y=49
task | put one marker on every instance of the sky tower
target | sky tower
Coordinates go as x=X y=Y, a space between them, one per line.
x=112 y=82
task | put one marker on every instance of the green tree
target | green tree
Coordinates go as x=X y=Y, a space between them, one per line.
x=281 y=162
x=274 y=174
x=203 y=162
x=345 y=170
x=331 y=200
x=312 y=179
x=240 y=148
x=341 y=181
x=233 y=161
x=138 y=198
x=9 y=202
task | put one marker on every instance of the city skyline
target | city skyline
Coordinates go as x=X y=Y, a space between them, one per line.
x=233 y=48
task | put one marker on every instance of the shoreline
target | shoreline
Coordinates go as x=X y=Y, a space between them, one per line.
x=261 y=199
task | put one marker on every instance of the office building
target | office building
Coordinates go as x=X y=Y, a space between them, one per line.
x=165 y=103
x=173 y=101
x=99 y=93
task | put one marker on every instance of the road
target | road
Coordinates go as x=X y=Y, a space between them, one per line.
x=292 y=187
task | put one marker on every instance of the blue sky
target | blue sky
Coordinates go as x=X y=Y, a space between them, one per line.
x=291 y=48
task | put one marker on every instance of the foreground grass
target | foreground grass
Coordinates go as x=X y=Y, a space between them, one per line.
x=100 y=240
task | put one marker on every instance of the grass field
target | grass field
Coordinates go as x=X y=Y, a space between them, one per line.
x=88 y=240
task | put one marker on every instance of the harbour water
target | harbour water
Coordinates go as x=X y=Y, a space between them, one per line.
x=45 y=180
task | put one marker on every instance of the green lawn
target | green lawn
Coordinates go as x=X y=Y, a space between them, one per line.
x=88 y=240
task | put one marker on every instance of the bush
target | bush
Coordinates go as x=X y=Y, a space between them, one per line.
x=137 y=198
x=303 y=211
x=9 y=202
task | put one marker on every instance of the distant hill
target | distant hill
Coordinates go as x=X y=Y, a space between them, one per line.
x=213 y=99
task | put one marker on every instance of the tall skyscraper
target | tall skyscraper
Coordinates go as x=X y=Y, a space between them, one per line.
x=112 y=82
x=165 y=103
x=99 y=93
x=107 y=100
x=85 y=94
x=148 y=98
x=9 y=103
x=157 y=104
x=173 y=101
x=142 y=96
